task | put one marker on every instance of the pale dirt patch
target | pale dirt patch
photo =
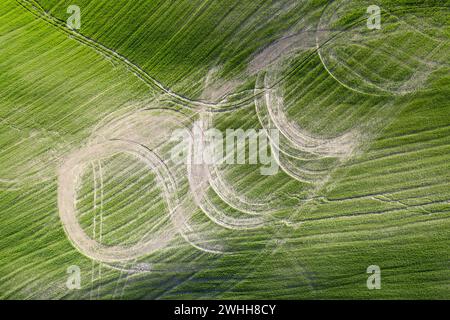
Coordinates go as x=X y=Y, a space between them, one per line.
x=216 y=89
x=281 y=49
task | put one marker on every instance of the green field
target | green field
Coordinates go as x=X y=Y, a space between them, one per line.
x=87 y=116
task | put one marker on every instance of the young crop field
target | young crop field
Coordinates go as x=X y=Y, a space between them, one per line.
x=224 y=149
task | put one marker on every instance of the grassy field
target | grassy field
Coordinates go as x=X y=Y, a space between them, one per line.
x=136 y=71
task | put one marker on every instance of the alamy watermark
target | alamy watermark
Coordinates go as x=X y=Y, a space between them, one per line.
x=374 y=280
x=74 y=21
x=374 y=20
x=234 y=146
x=74 y=279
